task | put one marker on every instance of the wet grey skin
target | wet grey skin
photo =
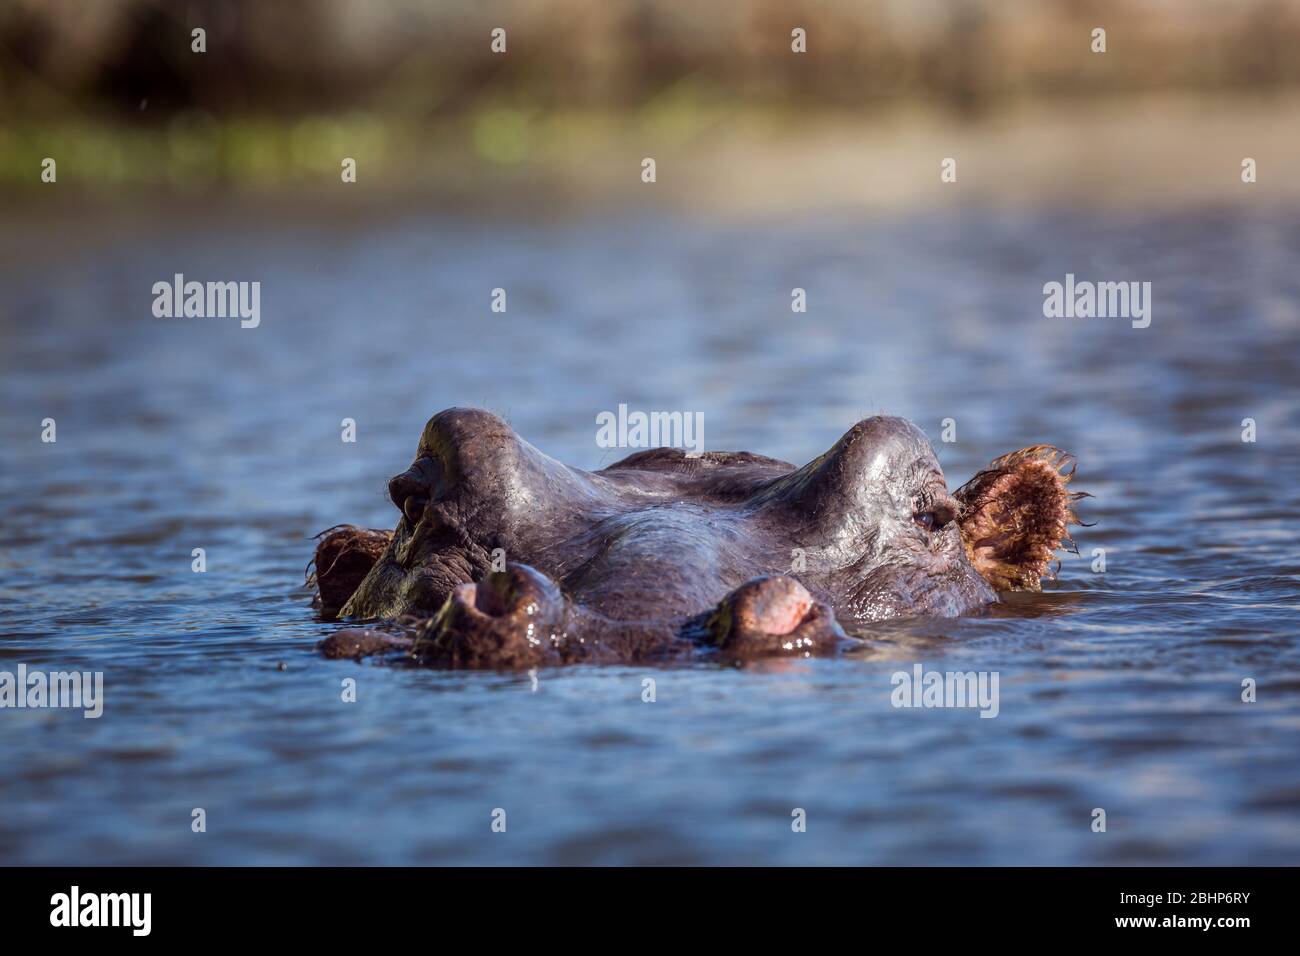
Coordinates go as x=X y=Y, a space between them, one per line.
x=659 y=556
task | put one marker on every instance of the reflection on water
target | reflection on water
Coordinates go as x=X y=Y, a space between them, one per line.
x=1118 y=690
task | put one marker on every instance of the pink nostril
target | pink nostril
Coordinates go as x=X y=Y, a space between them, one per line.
x=775 y=605
x=783 y=615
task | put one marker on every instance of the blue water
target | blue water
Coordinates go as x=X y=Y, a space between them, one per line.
x=1119 y=690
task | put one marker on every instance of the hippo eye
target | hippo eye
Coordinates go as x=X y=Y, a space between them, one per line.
x=932 y=519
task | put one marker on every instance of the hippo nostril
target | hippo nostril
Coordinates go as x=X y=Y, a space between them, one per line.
x=410 y=492
x=490 y=598
x=413 y=507
x=773 y=605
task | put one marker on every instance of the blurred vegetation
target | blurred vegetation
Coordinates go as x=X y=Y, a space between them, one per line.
x=112 y=88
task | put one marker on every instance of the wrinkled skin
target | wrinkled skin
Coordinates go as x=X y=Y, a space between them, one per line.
x=661 y=556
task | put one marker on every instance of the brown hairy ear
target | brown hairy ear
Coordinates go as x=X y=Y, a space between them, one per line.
x=1015 y=514
x=344 y=556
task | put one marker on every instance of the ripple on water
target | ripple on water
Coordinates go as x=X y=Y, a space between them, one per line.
x=1119 y=689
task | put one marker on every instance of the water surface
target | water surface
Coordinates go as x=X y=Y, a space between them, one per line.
x=1119 y=690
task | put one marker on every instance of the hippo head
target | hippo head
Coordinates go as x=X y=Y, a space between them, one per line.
x=884 y=524
x=896 y=542
x=664 y=550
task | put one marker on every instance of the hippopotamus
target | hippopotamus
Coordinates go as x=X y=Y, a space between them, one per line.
x=506 y=558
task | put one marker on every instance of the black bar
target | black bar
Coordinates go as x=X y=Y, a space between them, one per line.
x=333 y=905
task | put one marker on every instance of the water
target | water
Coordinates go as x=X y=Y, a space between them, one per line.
x=1118 y=690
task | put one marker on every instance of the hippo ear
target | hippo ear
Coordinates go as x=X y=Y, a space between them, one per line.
x=1016 y=513
x=344 y=556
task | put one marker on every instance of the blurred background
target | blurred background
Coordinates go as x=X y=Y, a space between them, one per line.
x=1120 y=683
x=414 y=93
